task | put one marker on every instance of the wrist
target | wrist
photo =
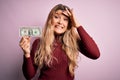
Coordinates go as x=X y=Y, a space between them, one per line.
x=27 y=55
x=78 y=25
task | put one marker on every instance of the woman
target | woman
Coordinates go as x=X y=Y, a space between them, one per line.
x=56 y=52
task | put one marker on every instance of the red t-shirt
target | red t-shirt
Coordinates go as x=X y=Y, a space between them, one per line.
x=59 y=69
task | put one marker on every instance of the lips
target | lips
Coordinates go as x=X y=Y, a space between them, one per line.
x=59 y=27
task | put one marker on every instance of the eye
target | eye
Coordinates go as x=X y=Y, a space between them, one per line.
x=55 y=16
x=65 y=19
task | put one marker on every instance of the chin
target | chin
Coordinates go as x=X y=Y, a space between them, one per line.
x=59 y=33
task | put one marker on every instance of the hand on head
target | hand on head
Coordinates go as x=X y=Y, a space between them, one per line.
x=70 y=14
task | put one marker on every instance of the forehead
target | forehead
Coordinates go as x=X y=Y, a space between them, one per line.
x=59 y=12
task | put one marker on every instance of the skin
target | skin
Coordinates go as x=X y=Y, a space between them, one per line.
x=60 y=24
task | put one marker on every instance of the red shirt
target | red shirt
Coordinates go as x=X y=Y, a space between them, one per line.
x=59 y=69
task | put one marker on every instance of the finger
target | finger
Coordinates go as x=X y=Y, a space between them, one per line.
x=26 y=37
x=72 y=13
x=69 y=12
x=24 y=43
x=21 y=41
x=66 y=13
x=24 y=40
x=25 y=46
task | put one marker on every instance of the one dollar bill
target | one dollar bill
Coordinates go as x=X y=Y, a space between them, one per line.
x=30 y=31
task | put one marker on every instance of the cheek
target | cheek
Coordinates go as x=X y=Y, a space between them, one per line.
x=54 y=21
x=66 y=24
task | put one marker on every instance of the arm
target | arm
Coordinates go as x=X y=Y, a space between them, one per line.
x=87 y=45
x=29 y=68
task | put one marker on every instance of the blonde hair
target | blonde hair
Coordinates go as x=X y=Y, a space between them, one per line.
x=69 y=39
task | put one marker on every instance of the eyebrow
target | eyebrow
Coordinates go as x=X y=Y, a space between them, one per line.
x=61 y=14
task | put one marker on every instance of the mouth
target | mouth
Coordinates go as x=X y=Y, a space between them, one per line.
x=59 y=27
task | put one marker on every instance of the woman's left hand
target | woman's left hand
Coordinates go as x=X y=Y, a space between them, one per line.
x=72 y=17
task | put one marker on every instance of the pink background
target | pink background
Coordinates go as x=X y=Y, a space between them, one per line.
x=100 y=18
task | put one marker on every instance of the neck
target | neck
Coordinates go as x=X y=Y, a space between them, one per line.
x=59 y=37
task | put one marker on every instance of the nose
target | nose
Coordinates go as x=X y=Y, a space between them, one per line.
x=60 y=21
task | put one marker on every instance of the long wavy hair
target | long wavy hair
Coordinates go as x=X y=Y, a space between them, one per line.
x=43 y=54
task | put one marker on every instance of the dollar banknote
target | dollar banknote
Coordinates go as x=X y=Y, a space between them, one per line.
x=30 y=31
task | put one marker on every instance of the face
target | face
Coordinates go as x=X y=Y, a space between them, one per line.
x=60 y=22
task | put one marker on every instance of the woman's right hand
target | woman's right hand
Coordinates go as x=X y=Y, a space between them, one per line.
x=25 y=45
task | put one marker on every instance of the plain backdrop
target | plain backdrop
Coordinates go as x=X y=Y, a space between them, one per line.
x=100 y=18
